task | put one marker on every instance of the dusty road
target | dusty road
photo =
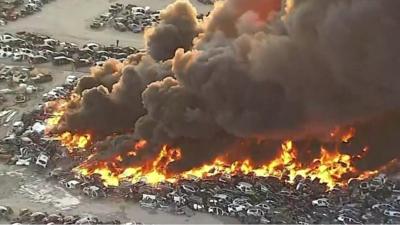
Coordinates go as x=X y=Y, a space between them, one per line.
x=69 y=20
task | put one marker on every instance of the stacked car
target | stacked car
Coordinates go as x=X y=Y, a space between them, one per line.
x=127 y=18
x=38 y=49
x=13 y=9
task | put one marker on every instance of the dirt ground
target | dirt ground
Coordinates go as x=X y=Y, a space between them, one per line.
x=23 y=187
x=70 y=20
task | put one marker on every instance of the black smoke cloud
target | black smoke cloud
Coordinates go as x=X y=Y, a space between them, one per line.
x=105 y=110
x=177 y=29
x=253 y=74
x=329 y=63
x=106 y=76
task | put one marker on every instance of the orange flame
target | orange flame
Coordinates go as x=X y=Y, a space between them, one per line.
x=112 y=175
x=330 y=168
x=74 y=141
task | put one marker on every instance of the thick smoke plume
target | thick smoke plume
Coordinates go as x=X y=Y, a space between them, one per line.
x=177 y=29
x=249 y=73
x=111 y=97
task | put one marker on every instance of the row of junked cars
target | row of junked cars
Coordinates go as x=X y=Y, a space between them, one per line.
x=27 y=216
x=11 y=10
x=26 y=144
x=127 y=18
x=37 y=49
x=257 y=199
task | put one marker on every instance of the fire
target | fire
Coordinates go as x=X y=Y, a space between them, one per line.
x=55 y=119
x=349 y=135
x=330 y=168
x=344 y=135
x=57 y=109
x=112 y=174
x=74 y=141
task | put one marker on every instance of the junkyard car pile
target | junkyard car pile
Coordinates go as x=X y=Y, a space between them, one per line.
x=249 y=198
x=26 y=216
x=37 y=49
x=13 y=9
x=272 y=200
x=22 y=82
x=126 y=18
x=25 y=144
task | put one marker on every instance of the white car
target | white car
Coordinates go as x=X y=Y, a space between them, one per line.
x=88 y=220
x=93 y=191
x=26 y=51
x=148 y=197
x=42 y=160
x=92 y=46
x=240 y=201
x=23 y=162
x=222 y=198
x=6 y=54
x=37 y=2
x=62 y=60
x=392 y=213
x=72 y=184
x=235 y=208
x=322 y=202
x=217 y=211
x=7 y=38
x=138 y=15
x=347 y=220
x=257 y=212
x=71 y=80
x=245 y=187
x=263 y=206
x=138 y=9
x=50 y=42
